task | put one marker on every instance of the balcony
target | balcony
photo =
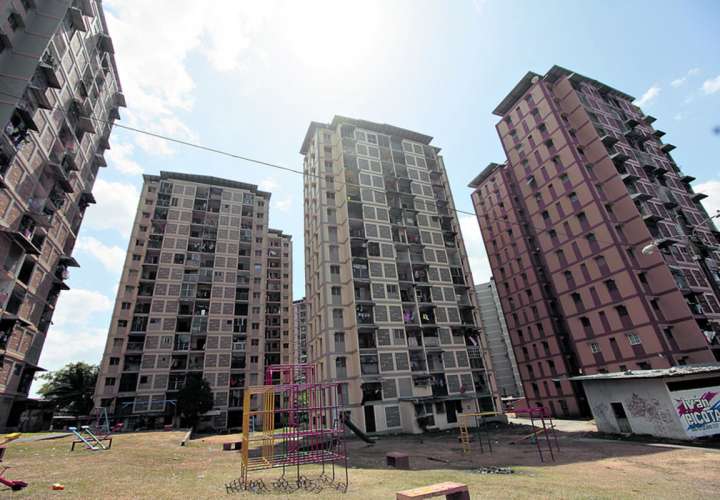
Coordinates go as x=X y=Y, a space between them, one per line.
x=666 y=148
x=631 y=123
x=104 y=43
x=76 y=19
x=60 y=172
x=619 y=157
x=135 y=346
x=609 y=140
x=49 y=68
x=19 y=126
x=698 y=197
x=640 y=196
x=687 y=179
x=86 y=198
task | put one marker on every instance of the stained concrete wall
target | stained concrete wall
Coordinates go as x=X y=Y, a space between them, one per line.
x=649 y=406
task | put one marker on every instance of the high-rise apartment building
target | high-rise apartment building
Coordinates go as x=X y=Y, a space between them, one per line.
x=392 y=313
x=59 y=96
x=300 y=317
x=206 y=291
x=604 y=258
x=507 y=377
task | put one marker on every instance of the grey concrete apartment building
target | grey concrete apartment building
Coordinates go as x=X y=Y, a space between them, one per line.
x=499 y=346
x=206 y=291
x=59 y=96
x=300 y=315
x=392 y=312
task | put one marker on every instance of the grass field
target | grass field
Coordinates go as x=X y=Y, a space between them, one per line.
x=153 y=465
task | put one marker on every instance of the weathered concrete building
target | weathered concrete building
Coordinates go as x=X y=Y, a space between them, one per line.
x=59 y=97
x=604 y=258
x=300 y=327
x=392 y=312
x=499 y=346
x=682 y=402
x=206 y=291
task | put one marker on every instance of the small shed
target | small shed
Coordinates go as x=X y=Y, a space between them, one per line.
x=681 y=402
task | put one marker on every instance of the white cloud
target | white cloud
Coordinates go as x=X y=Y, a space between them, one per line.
x=712 y=85
x=649 y=95
x=480 y=5
x=479 y=264
x=77 y=306
x=282 y=205
x=269 y=184
x=154 y=66
x=712 y=202
x=71 y=337
x=110 y=256
x=678 y=82
x=119 y=159
x=679 y=116
x=115 y=209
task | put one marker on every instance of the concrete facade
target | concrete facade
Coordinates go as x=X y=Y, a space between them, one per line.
x=60 y=97
x=587 y=185
x=300 y=328
x=392 y=312
x=507 y=376
x=675 y=404
x=206 y=291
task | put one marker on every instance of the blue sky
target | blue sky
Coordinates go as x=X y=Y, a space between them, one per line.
x=248 y=77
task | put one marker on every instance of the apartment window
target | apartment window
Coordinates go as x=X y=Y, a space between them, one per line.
x=577 y=299
x=622 y=311
x=125 y=306
x=122 y=323
x=114 y=361
x=573 y=197
x=594 y=348
x=109 y=381
x=545 y=215
x=634 y=339
x=611 y=286
x=136 y=257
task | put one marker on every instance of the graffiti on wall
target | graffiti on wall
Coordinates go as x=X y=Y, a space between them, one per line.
x=651 y=410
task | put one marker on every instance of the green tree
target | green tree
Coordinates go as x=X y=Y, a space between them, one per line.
x=194 y=399
x=71 y=387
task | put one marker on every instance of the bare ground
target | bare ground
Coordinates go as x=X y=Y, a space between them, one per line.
x=153 y=465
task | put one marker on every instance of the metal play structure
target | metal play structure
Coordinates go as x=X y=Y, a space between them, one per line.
x=86 y=436
x=13 y=484
x=296 y=422
x=546 y=428
x=481 y=429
